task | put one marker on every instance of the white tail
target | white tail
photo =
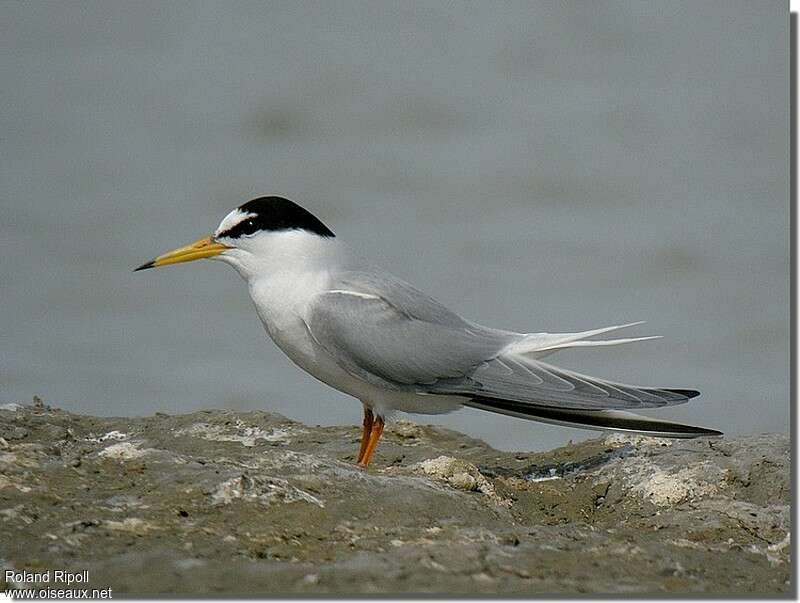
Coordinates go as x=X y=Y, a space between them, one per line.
x=539 y=345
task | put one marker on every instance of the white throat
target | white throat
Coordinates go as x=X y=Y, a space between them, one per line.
x=284 y=271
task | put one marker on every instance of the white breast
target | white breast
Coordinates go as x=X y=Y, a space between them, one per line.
x=282 y=302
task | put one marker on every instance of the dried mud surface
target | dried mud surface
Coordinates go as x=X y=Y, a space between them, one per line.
x=233 y=502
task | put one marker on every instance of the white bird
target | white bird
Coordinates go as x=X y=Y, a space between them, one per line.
x=373 y=336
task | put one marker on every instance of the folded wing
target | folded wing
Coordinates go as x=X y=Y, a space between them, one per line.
x=389 y=334
x=375 y=341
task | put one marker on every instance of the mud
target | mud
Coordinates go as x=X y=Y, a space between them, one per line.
x=230 y=502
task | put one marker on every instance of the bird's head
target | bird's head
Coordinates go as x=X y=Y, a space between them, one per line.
x=255 y=237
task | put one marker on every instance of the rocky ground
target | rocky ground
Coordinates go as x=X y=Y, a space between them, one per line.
x=230 y=502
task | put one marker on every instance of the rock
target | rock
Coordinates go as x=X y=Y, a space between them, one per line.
x=230 y=502
x=457 y=474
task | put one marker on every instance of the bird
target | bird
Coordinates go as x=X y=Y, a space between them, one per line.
x=373 y=336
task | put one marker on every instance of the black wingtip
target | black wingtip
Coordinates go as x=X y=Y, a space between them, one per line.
x=593 y=419
x=705 y=432
x=145 y=266
x=689 y=393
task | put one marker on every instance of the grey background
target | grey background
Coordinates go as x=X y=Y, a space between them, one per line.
x=535 y=166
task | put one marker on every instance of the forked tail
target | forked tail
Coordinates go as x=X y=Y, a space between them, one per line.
x=539 y=345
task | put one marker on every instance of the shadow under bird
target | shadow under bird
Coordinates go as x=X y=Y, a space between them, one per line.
x=373 y=336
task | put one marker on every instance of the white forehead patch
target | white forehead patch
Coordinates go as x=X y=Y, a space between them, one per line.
x=232 y=219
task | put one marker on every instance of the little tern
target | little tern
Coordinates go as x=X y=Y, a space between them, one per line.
x=373 y=336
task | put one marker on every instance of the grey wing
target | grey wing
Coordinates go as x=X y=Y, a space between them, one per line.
x=517 y=378
x=388 y=338
x=382 y=330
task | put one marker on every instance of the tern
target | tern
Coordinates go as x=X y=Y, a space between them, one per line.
x=373 y=336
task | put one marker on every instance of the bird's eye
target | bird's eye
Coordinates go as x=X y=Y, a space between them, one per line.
x=246 y=227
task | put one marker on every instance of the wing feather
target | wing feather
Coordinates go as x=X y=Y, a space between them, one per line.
x=528 y=381
x=374 y=340
x=387 y=333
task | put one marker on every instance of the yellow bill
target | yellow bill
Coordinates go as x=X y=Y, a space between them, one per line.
x=204 y=248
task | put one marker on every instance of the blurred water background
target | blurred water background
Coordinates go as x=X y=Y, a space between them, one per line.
x=537 y=166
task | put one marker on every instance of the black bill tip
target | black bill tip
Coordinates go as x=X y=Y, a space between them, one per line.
x=146 y=265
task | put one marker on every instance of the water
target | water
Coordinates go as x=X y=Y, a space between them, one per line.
x=538 y=167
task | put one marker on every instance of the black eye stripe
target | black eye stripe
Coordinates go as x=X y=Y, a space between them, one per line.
x=243 y=228
x=275 y=214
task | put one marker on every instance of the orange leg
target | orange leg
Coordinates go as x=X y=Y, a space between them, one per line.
x=368 y=419
x=374 y=436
